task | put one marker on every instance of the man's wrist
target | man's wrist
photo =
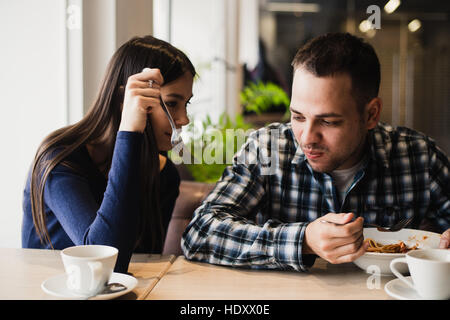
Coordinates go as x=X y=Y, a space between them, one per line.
x=306 y=249
x=308 y=256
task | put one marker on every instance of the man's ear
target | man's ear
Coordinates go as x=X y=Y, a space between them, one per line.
x=372 y=112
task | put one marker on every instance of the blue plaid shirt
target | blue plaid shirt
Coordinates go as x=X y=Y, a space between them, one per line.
x=257 y=214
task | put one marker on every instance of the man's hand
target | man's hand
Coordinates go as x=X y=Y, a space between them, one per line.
x=445 y=240
x=340 y=241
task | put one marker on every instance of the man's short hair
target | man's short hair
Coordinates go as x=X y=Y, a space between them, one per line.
x=337 y=53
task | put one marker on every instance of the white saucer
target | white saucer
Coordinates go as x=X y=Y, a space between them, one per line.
x=399 y=290
x=56 y=286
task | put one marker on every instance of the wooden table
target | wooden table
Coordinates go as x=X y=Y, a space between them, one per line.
x=188 y=280
x=169 y=278
x=23 y=270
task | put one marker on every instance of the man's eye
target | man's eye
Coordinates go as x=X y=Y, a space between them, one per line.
x=298 y=118
x=330 y=123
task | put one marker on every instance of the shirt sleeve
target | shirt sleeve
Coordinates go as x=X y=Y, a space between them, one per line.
x=440 y=188
x=222 y=232
x=115 y=222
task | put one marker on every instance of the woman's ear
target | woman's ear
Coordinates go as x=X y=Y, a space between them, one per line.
x=372 y=112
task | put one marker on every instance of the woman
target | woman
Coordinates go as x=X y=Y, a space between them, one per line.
x=104 y=180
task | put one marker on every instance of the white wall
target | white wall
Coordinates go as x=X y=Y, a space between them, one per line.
x=198 y=28
x=32 y=97
x=107 y=24
x=210 y=33
x=99 y=44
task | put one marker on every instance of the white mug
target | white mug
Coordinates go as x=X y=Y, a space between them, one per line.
x=88 y=268
x=430 y=272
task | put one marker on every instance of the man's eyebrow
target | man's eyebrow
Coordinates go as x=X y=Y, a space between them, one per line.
x=294 y=111
x=329 y=115
x=322 y=115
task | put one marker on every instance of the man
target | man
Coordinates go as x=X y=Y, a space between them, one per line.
x=333 y=168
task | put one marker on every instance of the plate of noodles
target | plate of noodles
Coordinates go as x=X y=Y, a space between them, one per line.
x=386 y=246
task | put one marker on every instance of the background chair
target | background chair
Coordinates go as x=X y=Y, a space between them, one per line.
x=191 y=196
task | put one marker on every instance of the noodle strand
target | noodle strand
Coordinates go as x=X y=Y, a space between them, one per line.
x=400 y=247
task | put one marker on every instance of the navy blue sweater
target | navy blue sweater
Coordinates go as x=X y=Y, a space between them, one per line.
x=86 y=208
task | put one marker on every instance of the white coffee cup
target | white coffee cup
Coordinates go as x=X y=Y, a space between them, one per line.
x=88 y=268
x=430 y=272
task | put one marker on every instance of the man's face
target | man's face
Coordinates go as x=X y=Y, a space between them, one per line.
x=326 y=122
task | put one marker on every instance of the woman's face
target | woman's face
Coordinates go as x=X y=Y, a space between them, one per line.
x=176 y=96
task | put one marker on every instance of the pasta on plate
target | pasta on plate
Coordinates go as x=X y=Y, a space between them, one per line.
x=399 y=247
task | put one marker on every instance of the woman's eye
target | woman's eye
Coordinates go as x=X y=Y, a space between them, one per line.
x=170 y=104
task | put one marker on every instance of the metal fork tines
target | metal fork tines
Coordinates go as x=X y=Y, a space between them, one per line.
x=396 y=227
x=176 y=137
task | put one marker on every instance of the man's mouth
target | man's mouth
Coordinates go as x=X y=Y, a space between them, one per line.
x=313 y=154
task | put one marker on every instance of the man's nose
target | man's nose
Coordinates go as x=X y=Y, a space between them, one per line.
x=310 y=134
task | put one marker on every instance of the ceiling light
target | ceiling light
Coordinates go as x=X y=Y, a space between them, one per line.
x=365 y=26
x=414 y=25
x=391 y=6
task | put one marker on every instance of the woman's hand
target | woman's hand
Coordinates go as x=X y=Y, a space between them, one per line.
x=340 y=241
x=140 y=99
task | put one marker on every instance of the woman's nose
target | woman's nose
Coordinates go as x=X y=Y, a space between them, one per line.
x=181 y=119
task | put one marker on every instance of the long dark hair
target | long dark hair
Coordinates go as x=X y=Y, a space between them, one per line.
x=104 y=116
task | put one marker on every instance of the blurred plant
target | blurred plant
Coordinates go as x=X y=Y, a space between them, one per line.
x=262 y=97
x=212 y=148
